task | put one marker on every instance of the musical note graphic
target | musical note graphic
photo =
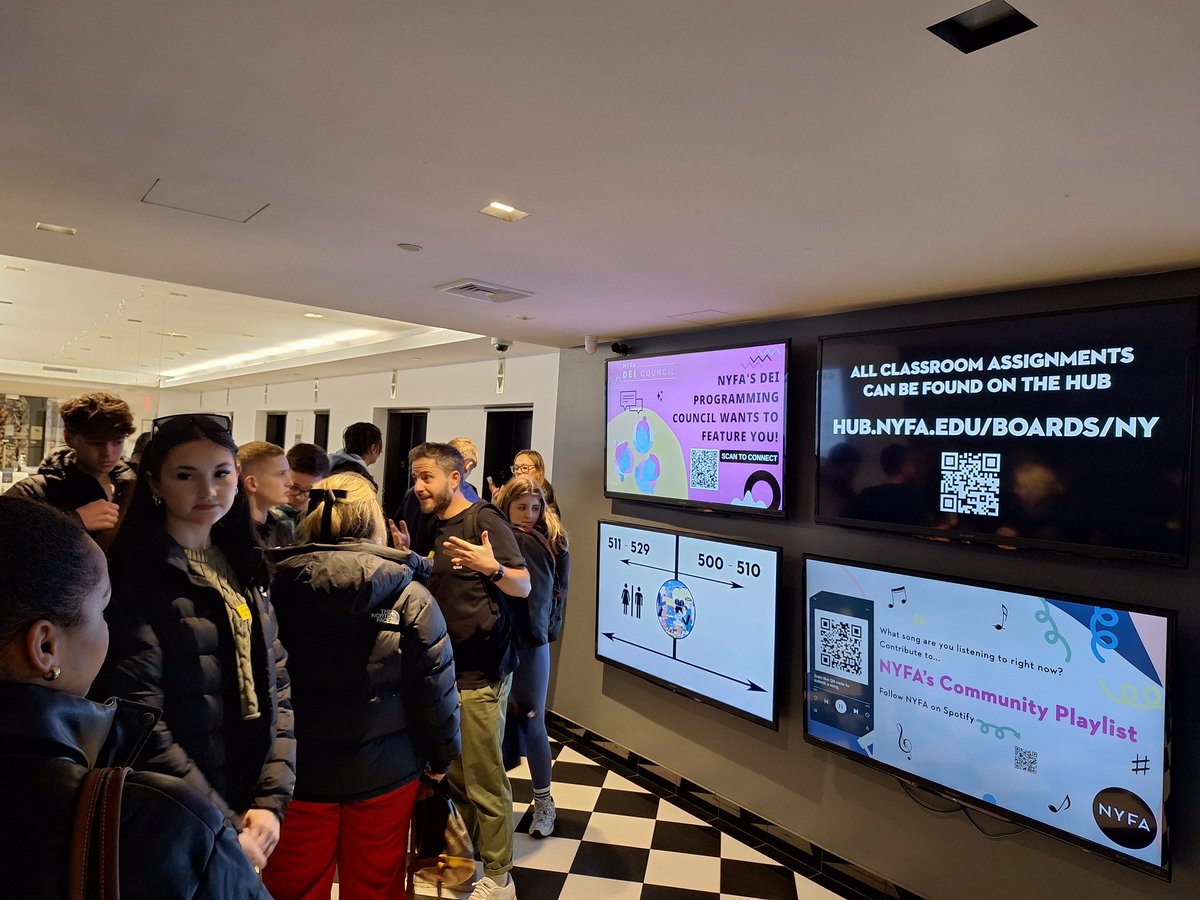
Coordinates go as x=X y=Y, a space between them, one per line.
x=1003 y=617
x=904 y=743
x=986 y=728
x=1066 y=804
x=1100 y=637
x=1052 y=636
x=898 y=594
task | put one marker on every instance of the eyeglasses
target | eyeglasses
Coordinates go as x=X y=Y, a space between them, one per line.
x=225 y=423
x=520 y=470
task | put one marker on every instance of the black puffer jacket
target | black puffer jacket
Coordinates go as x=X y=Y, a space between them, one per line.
x=171 y=646
x=173 y=843
x=62 y=485
x=372 y=670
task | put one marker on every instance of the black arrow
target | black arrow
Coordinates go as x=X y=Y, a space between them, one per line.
x=751 y=686
x=730 y=584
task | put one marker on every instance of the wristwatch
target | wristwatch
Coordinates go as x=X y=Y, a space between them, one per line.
x=498 y=574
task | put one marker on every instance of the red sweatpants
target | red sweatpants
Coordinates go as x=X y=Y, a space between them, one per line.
x=365 y=841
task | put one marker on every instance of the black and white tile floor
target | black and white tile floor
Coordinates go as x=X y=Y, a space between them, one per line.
x=615 y=840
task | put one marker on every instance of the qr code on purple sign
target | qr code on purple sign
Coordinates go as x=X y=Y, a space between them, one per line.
x=703 y=475
x=970 y=484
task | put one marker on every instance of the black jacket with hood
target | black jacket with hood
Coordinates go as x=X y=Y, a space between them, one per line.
x=173 y=843
x=61 y=484
x=372 y=670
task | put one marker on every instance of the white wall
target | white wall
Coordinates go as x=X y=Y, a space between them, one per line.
x=457 y=398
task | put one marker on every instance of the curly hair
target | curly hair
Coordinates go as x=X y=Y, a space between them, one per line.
x=360 y=437
x=47 y=568
x=99 y=413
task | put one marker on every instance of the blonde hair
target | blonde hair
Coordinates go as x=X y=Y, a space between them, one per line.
x=523 y=486
x=254 y=452
x=467 y=449
x=355 y=517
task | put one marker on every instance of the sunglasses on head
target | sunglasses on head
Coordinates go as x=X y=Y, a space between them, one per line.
x=225 y=423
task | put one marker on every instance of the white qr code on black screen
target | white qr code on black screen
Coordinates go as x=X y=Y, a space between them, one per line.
x=703 y=476
x=970 y=484
x=842 y=646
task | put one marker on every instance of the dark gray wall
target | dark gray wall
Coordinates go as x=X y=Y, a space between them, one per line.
x=842 y=806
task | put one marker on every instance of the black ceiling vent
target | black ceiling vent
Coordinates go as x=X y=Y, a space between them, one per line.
x=984 y=25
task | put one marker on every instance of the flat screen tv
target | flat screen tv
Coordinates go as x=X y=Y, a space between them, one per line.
x=702 y=429
x=696 y=615
x=1049 y=711
x=1068 y=431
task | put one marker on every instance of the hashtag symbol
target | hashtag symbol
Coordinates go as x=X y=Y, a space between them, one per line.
x=1141 y=765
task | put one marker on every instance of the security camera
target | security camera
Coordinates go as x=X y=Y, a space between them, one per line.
x=620 y=349
x=589 y=344
x=501 y=345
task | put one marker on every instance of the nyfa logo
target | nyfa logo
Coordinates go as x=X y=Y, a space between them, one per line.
x=1125 y=818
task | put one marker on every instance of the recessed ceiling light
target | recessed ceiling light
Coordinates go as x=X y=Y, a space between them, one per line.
x=136 y=321
x=498 y=210
x=174 y=334
x=314 y=316
x=6 y=302
x=176 y=294
x=981 y=26
x=522 y=318
x=56 y=229
x=104 y=337
x=411 y=248
x=16 y=268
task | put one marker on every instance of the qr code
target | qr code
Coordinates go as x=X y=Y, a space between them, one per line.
x=842 y=646
x=1025 y=760
x=971 y=483
x=703 y=476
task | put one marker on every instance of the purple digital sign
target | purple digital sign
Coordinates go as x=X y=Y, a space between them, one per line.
x=703 y=429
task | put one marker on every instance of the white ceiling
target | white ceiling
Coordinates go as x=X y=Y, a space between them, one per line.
x=684 y=162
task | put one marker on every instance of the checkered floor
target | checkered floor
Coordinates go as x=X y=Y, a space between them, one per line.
x=613 y=840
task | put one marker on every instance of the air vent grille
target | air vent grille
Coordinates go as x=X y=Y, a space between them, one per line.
x=473 y=289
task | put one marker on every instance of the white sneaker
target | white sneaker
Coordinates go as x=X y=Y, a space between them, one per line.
x=543 y=818
x=486 y=889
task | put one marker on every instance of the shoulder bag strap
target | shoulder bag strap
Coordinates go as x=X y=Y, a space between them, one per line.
x=98 y=809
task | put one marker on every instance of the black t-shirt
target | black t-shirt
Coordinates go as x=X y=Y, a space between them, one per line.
x=468 y=601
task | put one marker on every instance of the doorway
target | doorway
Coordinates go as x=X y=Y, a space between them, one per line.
x=509 y=431
x=276 y=429
x=405 y=429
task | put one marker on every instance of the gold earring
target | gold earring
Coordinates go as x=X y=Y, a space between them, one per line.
x=53 y=674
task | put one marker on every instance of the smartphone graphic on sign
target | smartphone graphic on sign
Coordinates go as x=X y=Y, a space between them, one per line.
x=842 y=681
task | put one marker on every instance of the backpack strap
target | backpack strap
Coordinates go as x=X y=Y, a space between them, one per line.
x=545 y=543
x=97 y=822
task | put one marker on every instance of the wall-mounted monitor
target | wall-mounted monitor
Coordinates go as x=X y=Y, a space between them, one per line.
x=1049 y=711
x=696 y=615
x=1068 y=431
x=702 y=429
